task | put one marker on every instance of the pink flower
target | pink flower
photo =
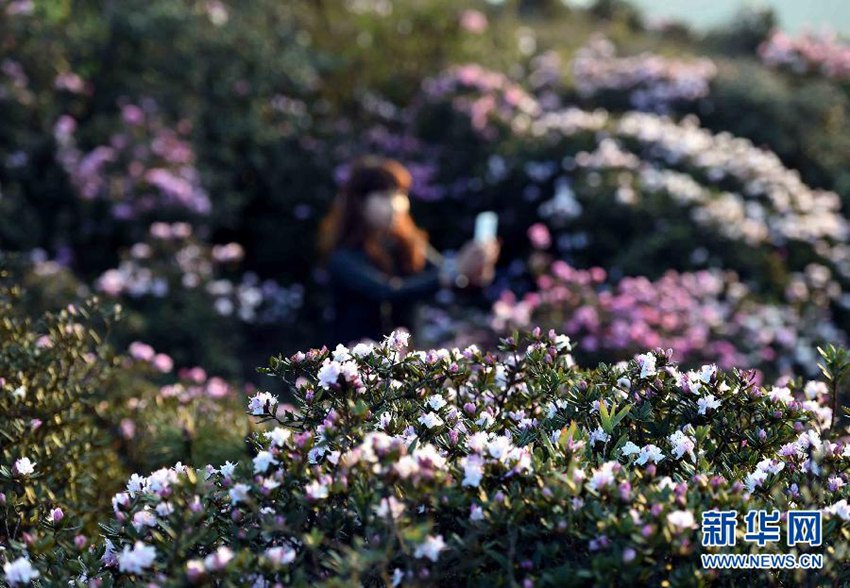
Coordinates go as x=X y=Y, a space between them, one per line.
x=473 y=21
x=163 y=363
x=141 y=351
x=217 y=388
x=539 y=236
x=132 y=115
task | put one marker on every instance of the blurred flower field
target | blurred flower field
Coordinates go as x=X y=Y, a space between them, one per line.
x=675 y=265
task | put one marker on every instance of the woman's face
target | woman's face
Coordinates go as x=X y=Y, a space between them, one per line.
x=380 y=209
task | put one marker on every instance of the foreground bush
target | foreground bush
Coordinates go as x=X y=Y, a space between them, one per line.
x=449 y=466
x=76 y=418
x=57 y=456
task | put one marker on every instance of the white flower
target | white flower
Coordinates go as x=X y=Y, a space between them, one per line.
x=706 y=372
x=629 y=449
x=263 y=460
x=624 y=383
x=142 y=519
x=319 y=450
x=755 y=479
x=681 y=519
x=137 y=559
x=398 y=576
x=771 y=466
x=257 y=403
x=218 y=560
x=429 y=454
x=782 y=394
x=24 y=467
x=164 y=509
x=647 y=365
x=397 y=340
x=682 y=444
x=329 y=373
x=840 y=508
x=384 y=420
x=270 y=484
x=815 y=389
x=666 y=483
x=136 y=484
x=20 y=392
x=280 y=555
x=602 y=476
x=20 y=571
x=430 y=420
x=316 y=490
x=227 y=469
x=485 y=420
x=599 y=435
x=436 y=402
x=389 y=506
x=406 y=466
x=563 y=342
x=554 y=406
x=430 y=548
x=362 y=349
x=651 y=453
x=239 y=493
x=278 y=436
x=341 y=353
x=476 y=513
x=706 y=402
x=473 y=470
x=160 y=480
x=109 y=556
x=478 y=441
x=120 y=500
x=499 y=447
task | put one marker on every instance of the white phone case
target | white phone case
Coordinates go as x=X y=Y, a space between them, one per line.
x=486 y=224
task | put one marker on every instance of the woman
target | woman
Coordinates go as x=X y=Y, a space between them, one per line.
x=380 y=263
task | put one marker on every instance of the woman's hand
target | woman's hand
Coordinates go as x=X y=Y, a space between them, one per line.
x=477 y=261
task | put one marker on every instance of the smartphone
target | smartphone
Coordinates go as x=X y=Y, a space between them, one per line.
x=486 y=224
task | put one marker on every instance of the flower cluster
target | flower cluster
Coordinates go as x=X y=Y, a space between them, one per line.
x=487 y=97
x=653 y=82
x=171 y=259
x=772 y=204
x=143 y=168
x=820 y=53
x=708 y=315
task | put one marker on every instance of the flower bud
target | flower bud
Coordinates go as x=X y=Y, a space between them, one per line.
x=80 y=541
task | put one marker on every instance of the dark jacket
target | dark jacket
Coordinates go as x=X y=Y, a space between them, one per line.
x=370 y=303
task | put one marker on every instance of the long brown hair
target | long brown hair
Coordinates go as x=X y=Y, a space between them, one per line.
x=344 y=225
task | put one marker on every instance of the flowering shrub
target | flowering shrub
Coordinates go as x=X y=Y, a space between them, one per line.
x=55 y=452
x=146 y=166
x=490 y=100
x=708 y=315
x=174 y=278
x=160 y=419
x=819 y=53
x=658 y=167
x=652 y=82
x=77 y=418
x=426 y=467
